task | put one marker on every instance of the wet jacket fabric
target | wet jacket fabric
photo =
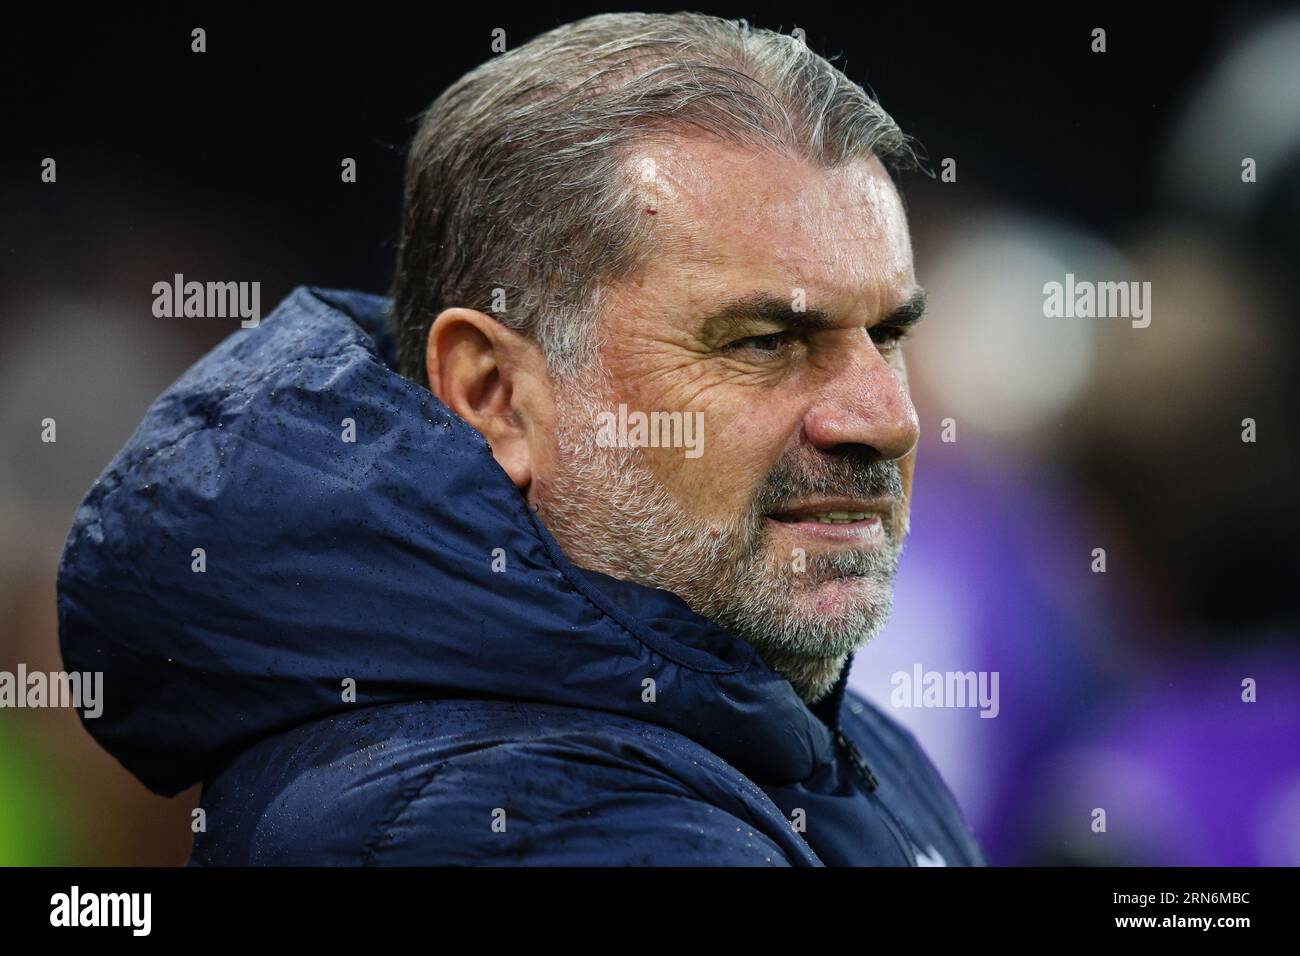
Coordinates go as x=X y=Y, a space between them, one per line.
x=370 y=651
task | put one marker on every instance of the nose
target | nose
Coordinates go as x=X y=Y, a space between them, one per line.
x=865 y=402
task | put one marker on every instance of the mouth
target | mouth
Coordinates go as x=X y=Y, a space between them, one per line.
x=853 y=520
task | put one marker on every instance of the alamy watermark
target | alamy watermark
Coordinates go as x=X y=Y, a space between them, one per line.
x=1098 y=300
x=626 y=429
x=922 y=688
x=208 y=300
x=75 y=908
x=82 y=690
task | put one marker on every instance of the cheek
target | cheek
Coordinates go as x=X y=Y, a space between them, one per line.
x=906 y=467
x=908 y=464
x=737 y=454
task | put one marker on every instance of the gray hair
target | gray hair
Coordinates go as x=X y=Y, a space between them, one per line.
x=517 y=186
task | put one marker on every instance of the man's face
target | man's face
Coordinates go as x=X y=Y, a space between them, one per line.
x=772 y=306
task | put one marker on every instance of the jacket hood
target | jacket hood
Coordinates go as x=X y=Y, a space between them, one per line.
x=239 y=562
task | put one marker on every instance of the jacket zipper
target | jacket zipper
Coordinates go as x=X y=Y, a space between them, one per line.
x=856 y=760
x=860 y=767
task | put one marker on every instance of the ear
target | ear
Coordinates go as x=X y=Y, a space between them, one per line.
x=485 y=373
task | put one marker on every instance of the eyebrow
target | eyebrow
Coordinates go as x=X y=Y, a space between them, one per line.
x=757 y=307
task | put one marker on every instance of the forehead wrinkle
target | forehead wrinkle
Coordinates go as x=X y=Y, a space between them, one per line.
x=845 y=238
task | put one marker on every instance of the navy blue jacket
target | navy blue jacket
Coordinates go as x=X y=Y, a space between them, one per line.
x=373 y=652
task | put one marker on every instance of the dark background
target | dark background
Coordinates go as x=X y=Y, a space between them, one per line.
x=240 y=134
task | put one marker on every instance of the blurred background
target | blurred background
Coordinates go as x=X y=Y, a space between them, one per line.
x=1120 y=690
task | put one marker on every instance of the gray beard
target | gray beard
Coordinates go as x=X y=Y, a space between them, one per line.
x=611 y=514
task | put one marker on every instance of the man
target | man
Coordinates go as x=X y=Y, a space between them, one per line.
x=569 y=564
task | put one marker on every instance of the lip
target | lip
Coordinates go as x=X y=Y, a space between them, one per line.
x=797 y=519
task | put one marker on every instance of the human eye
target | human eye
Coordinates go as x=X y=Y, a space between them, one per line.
x=774 y=343
x=889 y=337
